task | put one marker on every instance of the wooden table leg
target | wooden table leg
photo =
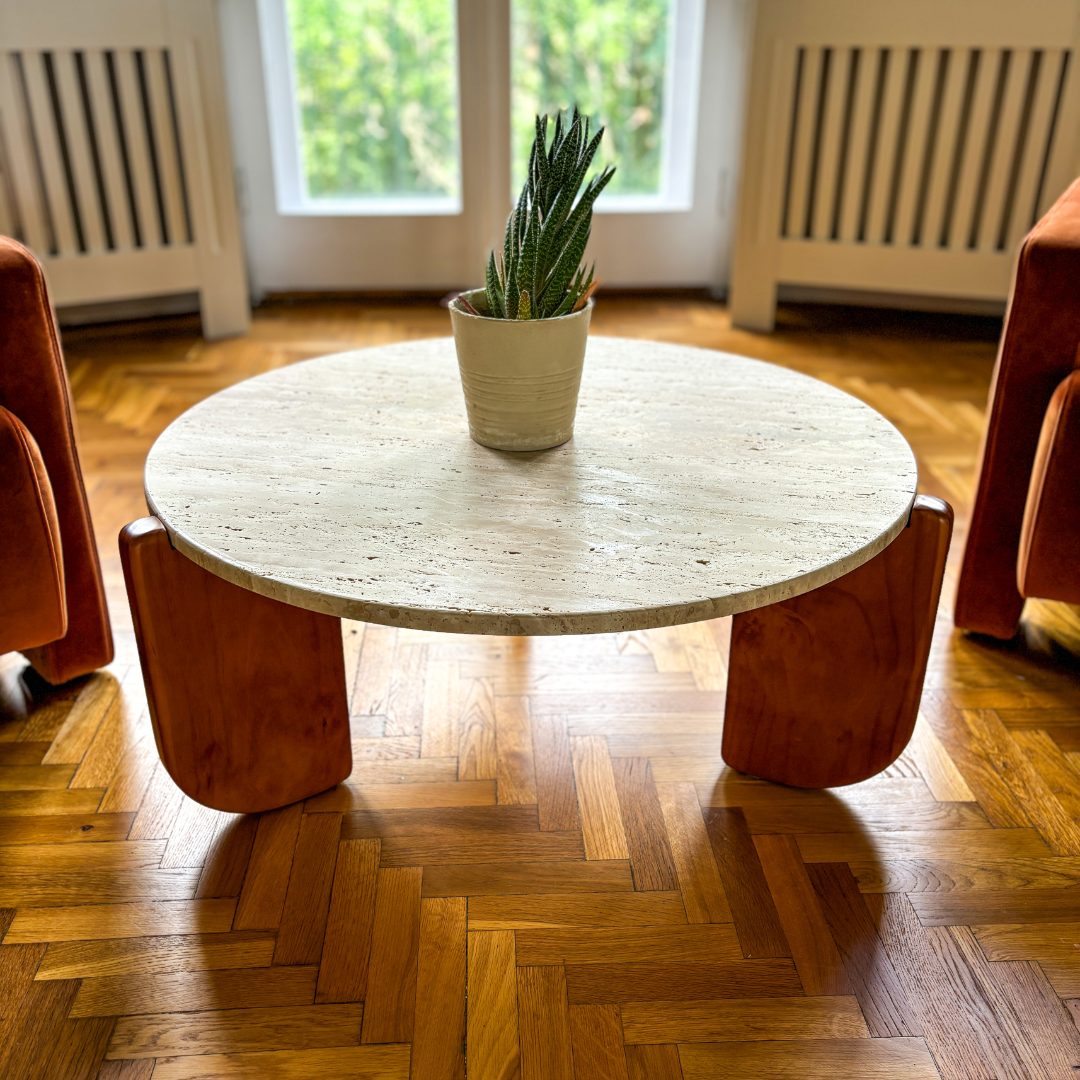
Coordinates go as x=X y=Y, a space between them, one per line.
x=247 y=694
x=824 y=689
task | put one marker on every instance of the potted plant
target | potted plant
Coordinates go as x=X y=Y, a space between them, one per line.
x=521 y=339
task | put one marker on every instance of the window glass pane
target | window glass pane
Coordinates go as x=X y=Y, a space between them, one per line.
x=376 y=82
x=606 y=56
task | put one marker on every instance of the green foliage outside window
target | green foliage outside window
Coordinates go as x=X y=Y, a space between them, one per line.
x=377 y=88
x=608 y=58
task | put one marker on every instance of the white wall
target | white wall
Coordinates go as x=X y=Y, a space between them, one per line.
x=304 y=253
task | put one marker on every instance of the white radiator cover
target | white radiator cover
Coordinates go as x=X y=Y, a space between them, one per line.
x=901 y=148
x=115 y=164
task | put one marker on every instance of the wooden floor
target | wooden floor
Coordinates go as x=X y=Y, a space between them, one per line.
x=540 y=866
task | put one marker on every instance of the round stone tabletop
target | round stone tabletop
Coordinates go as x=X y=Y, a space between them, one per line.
x=697 y=484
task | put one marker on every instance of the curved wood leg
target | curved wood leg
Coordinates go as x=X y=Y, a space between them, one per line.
x=824 y=690
x=247 y=694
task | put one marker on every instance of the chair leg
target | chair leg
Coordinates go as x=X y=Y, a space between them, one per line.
x=824 y=689
x=247 y=694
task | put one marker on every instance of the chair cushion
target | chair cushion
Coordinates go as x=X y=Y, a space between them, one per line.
x=33 y=386
x=32 y=607
x=1049 y=562
x=1038 y=347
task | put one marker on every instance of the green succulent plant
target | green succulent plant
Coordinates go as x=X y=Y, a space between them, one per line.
x=540 y=274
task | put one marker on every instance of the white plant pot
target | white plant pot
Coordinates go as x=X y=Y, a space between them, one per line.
x=520 y=378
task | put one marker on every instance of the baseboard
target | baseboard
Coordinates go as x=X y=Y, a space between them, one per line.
x=144 y=307
x=957 y=305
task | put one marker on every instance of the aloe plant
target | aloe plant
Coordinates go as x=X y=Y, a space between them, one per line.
x=540 y=274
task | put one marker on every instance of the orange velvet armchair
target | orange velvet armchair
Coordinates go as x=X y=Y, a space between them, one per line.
x=52 y=602
x=1025 y=527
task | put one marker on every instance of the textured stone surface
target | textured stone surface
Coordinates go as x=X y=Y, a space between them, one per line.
x=697 y=484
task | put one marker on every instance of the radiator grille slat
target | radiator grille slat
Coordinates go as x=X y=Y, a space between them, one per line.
x=100 y=130
x=942 y=148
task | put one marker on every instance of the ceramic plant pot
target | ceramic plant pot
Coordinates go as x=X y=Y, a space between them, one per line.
x=520 y=379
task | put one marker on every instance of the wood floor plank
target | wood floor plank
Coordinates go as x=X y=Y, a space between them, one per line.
x=78 y=828
x=138 y=1069
x=745 y=887
x=997 y=906
x=83 y=923
x=946 y=875
x=35 y=777
x=509 y=879
x=234 y=1031
x=1061 y=777
x=307 y=900
x=187 y=991
x=1054 y=946
x=598 y=801
x=597 y=1040
x=65 y=858
x=867 y=965
x=990 y=789
x=837 y=817
x=1055 y=1039
x=39 y=803
x=439 y=1035
x=812 y=947
x=477 y=751
x=262 y=898
x=159 y=808
x=371 y=691
x=156 y=955
x=391 y=796
x=480 y=847
x=745 y=1020
x=45 y=888
x=450 y=823
x=584 y=910
x=192 y=834
x=131 y=778
x=343 y=972
x=966 y=1038
x=692 y=851
x=654 y=944
x=966 y=843
x=390 y=999
x=544 y=1024
x=430 y=770
x=942 y=777
x=556 y=798
x=651 y=860
x=336 y=1063
x=77 y=1052
x=653 y=1062
x=439 y=729
x=227 y=859
x=668 y=981
x=33 y=1025
x=514 y=744
x=817 y=1059
x=81 y=723
x=1042 y=807
x=492 y=1048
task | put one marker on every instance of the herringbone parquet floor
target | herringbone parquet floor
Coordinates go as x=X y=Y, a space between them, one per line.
x=540 y=866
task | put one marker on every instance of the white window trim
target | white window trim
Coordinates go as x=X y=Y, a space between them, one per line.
x=290 y=182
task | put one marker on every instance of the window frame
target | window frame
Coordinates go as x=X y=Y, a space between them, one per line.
x=283 y=109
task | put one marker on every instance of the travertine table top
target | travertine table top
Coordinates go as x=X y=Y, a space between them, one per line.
x=698 y=484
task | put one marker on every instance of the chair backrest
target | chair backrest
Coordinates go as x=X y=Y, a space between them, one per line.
x=34 y=387
x=1038 y=349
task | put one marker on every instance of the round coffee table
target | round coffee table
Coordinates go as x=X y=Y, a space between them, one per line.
x=698 y=484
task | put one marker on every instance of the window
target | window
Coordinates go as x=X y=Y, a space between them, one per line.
x=364 y=113
x=364 y=109
x=632 y=65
